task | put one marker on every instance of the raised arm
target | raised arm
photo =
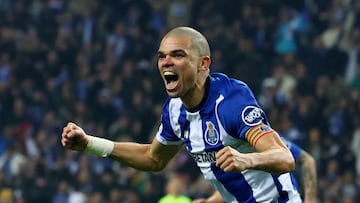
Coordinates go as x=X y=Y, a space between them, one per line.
x=146 y=157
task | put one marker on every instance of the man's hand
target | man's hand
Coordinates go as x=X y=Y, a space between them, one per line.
x=228 y=159
x=73 y=137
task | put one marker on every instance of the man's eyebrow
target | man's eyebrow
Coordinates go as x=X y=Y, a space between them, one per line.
x=173 y=51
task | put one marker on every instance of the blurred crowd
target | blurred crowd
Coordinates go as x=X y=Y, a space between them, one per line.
x=94 y=63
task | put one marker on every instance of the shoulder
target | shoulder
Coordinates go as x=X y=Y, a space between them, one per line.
x=235 y=92
x=231 y=87
x=173 y=110
x=239 y=109
x=224 y=81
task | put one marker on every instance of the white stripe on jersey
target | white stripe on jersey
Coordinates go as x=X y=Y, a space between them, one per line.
x=174 y=108
x=196 y=132
x=262 y=184
x=286 y=180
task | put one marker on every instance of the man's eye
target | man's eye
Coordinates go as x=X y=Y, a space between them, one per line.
x=179 y=55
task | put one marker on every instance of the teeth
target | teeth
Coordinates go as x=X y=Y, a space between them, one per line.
x=170 y=76
x=169 y=73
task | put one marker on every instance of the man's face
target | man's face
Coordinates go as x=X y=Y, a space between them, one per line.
x=178 y=65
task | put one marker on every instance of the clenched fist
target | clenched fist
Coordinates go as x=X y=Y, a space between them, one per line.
x=73 y=137
x=228 y=159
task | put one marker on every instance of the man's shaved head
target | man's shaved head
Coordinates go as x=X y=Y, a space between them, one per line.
x=198 y=41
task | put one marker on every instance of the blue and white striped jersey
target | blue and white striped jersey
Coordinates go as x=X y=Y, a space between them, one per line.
x=227 y=111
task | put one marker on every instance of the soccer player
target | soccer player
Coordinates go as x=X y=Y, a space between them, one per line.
x=308 y=174
x=219 y=121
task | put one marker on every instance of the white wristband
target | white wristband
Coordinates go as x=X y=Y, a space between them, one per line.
x=99 y=146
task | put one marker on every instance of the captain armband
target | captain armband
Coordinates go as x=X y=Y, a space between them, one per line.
x=256 y=132
x=99 y=146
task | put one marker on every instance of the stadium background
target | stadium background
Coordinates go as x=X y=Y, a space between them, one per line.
x=94 y=62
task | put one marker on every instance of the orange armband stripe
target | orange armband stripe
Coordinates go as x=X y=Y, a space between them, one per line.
x=256 y=132
x=252 y=134
x=261 y=137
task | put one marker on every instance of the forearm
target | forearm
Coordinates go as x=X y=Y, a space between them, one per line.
x=273 y=161
x=308 y=170
x=145 y=157
x=271 y=154
x=137 y=156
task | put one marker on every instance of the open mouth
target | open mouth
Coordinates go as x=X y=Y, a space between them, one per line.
x=171 y=81
x=170 y=77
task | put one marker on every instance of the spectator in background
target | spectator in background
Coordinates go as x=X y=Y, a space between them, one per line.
x=175 y=192
x=355 y=146
x=11 y=161
x=7 y=195
x=179 y=12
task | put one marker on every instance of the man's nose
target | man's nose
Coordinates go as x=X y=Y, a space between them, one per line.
x=167 y=61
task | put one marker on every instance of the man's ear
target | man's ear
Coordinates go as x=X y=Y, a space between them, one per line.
x=205 y=63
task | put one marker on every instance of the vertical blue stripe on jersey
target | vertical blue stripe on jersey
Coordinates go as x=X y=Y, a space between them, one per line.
x=283 y=195
x=235 y=183
x=184 y=126
x=167 y=131
x=294 y=182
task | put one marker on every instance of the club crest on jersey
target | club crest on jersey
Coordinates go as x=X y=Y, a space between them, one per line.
x=211 y=134
x=252 y=115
